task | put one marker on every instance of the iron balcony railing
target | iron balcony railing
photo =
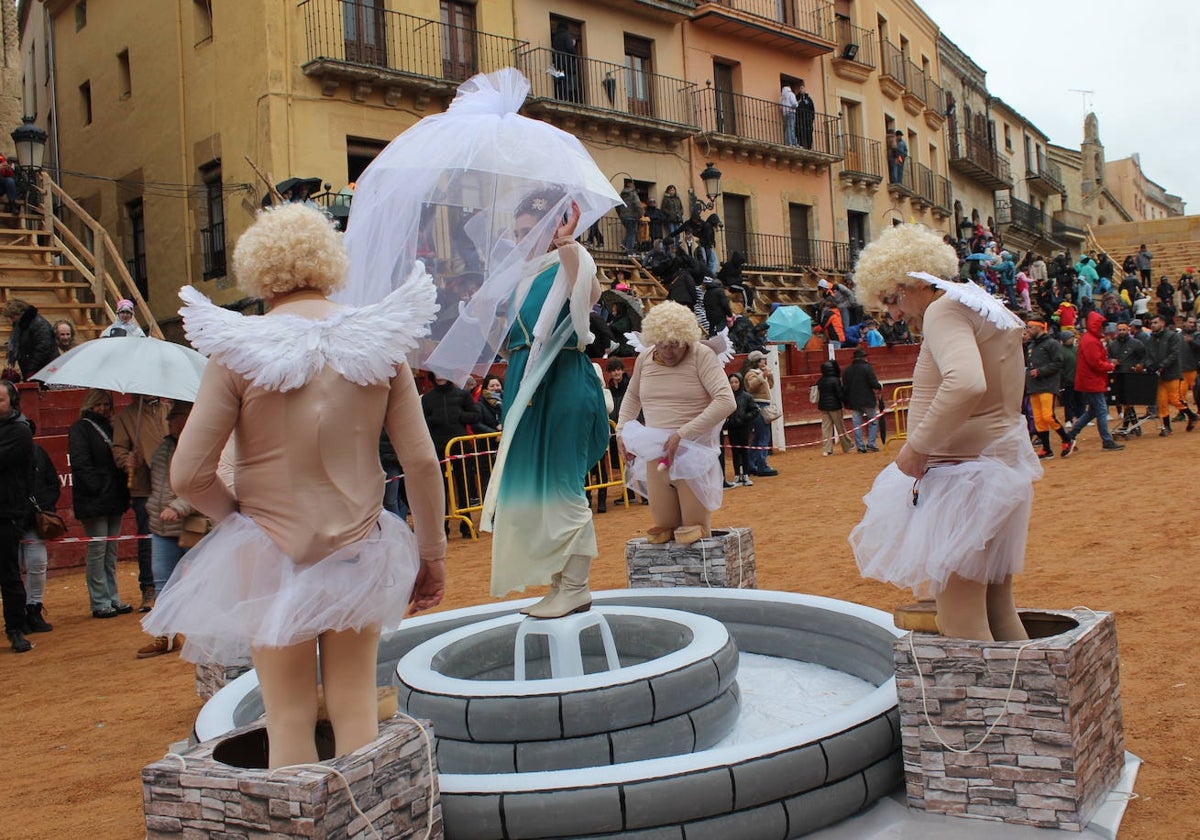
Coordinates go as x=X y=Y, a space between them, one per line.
x=784 y=253
x=604 y=86
x=806 y=15
x=867 y=50
x=935 y=97
x=725 y=112
x=864 y=156
x=907 y=180
x=976 y=149
x=923 y=182
x=943 y=193
x=212 y=247
x=1048 y=171
x=1024 y=215
x=914 y=82
x=353 y=33
x=893 y=62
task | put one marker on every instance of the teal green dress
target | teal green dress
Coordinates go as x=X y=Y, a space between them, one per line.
x=555 y=430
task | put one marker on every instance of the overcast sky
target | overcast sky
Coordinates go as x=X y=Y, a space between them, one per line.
x=1138 y=58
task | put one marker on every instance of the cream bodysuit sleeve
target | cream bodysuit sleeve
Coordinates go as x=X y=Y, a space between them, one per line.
x=405 y=425
x=631 y=405
x=194 y=467
x=721 y=403
x=951 y=341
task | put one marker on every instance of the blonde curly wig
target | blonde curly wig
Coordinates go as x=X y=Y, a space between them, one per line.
x=291 y=246
x=670 y=323
x=883 y=265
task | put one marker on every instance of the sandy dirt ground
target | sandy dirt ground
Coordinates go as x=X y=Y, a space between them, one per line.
x=80 y=715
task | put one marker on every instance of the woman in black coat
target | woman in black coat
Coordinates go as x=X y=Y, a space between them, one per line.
x=31 y=346
x=100 y=496
x=449 y=410
x=739 y=427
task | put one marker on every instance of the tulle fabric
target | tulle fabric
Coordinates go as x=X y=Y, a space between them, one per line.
x=237 y=589
x=445 y=192
x=971 y=519
x=695 y=462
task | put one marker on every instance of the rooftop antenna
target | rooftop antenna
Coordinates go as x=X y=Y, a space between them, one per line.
x=1086 y=96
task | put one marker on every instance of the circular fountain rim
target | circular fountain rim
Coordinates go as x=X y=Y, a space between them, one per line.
x=708 y=637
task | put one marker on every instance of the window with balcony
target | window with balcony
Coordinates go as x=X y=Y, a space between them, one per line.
x=726 y=104
x=135 y=215
x=799 y=226
x=737 y=222
x=639 y=69
x=1008 y=137
x=458 y=40
x=566 y=43
x=80 y=15
x=360 y=151
x=364 y=31
x=212 y=236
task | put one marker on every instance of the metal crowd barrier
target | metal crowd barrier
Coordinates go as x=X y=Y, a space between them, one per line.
x=467 y=467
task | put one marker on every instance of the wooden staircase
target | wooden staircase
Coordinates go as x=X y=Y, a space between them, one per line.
x=44 y=263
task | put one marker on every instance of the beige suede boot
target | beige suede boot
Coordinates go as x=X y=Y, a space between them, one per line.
x=572 y=594
x=555 y=580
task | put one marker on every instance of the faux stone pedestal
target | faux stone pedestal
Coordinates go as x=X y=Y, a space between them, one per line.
x=725 y=560
x=202 y=797
x=211 y=677
x=1061 y=745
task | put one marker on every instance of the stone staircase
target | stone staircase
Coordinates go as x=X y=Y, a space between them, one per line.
x=44 y=261
x=1174 y=242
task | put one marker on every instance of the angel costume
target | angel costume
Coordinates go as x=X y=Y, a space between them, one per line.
x=969 y=514
x=555 y=430
x=303 y=548
x=692 y=398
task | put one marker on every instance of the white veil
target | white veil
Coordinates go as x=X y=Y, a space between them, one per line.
x=446 y=192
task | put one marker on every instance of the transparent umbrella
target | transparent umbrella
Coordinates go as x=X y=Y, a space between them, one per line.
x=147 y=366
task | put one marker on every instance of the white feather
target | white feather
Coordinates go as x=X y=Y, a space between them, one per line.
x=976 y=298
x=283 y=352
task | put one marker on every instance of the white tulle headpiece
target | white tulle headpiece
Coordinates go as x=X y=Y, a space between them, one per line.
x=446 y=192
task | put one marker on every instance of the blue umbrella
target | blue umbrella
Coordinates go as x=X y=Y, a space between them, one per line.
x=980 y=257
x=789 y=323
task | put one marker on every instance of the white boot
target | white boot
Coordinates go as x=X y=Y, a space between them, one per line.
x=572 y=594
x=555 y=580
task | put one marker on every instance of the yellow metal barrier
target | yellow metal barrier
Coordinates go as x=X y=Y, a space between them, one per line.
x=900 y=398
x=468 y=467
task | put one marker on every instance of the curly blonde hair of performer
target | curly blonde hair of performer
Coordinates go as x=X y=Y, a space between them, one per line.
x=289 y=247
x=883 y=266
x=670 y=323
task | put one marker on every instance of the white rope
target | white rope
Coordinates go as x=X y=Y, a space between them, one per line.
x=350 y=793
x=1003 y=711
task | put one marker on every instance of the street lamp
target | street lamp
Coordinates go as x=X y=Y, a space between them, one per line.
x=711 y=176
x=31 y=150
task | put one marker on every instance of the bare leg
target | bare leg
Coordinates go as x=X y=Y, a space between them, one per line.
x=287 y=678
x=1002 y=614
x=348 y=663
x=962 y=610
x=664 y=500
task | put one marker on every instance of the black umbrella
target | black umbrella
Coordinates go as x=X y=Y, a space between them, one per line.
x=611 y=296
x=307 y=187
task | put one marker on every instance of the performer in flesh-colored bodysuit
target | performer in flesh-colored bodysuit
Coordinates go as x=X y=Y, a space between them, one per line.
x=303 y=558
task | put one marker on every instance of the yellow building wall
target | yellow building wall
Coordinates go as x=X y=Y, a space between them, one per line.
x=770 y=188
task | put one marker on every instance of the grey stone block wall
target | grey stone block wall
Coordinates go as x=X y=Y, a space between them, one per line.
x=724 y=560
x=201 y=797
x=211 y=677
x=1057 y=752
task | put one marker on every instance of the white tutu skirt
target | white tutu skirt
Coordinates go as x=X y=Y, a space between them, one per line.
x=236 y=589
x=970 y=519
x=695 y=462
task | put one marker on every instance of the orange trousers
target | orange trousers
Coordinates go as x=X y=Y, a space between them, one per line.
x=1169 y=397
x=1186 y=384
x=1043 y=412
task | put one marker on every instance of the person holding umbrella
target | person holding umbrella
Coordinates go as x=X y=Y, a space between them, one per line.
x=138 y=430
x=100 y=496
